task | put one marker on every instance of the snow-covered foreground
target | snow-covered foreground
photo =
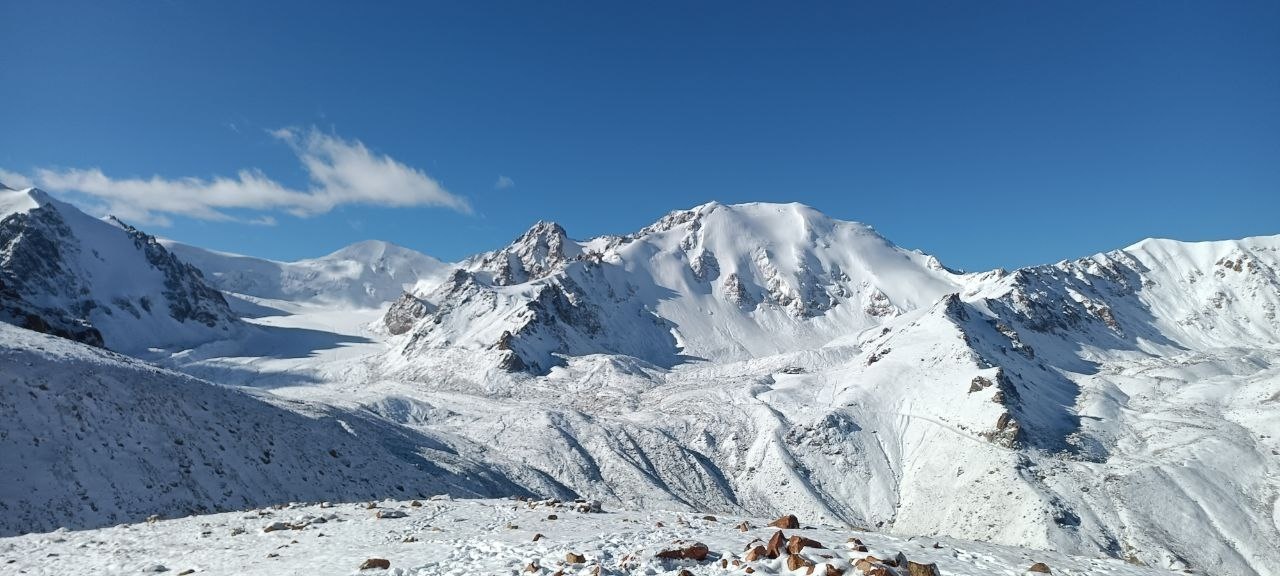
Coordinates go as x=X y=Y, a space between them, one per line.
x=500 y=537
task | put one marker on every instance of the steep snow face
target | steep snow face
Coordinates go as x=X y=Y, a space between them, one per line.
x=90 y=438
x=99 y=281
x=716 y=282
x=363 y=275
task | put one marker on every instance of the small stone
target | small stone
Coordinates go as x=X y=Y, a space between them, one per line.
x=683 y=572
x=709 y=518
x=789 y=522
x=552 y=517
x=376 y=564
x=389 y=513
x=575 y=558
x=532 y=567
x=416 y=504
x=659 y=525
x=1040 y=567
x=744 y=526
x=833 y=571
x=410 y=538
x=187 y=571
x=537 y=537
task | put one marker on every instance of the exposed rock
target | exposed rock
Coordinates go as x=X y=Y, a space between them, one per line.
x=404 y=312
x=789 y=522
x=388 y=513
x=756 y=553
x=797 y=543
x=776 y=544
x=1040 y=567
x=796 y=562
x=376 y=564
x=696 y=552
x=575 y=558
x=918 y=569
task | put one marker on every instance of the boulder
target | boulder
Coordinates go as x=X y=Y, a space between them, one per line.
x=789 y=522
x=797 y=543
x=1040 y=567
x=696 y=552
x=376 y=564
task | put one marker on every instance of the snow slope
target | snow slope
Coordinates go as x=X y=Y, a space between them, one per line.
x=498 y=537
x=363 y=275
x=99 y=281
x=90 y=438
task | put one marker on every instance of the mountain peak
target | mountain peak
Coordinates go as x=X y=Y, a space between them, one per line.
x=13 y=200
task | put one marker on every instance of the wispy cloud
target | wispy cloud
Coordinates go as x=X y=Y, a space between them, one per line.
x=503 y=183
x=341 y=172
x=14 y=180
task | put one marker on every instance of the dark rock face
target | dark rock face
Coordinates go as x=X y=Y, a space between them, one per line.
x=43 y=288
x=184 y=287
x=404 y=313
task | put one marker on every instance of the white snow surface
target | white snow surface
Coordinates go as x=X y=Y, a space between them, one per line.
x=442 y=536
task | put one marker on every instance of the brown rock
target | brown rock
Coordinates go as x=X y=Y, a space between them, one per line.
x=187 y=571
x=833 y=571
x=575 y=558
x=696 y=552
x=684 y=573
x=709 y=518
x=796 y=562
x=537 y=537
x=416 y=504
x=756 y=553
x=749 y=570
x=376 y=564
x=1040 y=567
x=776 y=544
x=798 y=543
x=918 y=569
x=532 y=567
x=659 y=525
x=744 y=526
x=789 y=522
x=724 y=563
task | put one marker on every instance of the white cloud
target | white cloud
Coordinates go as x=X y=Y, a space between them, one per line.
x=341 y=172
x=503 y=183
x=14 y=180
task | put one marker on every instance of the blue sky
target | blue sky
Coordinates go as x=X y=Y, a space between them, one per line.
x=993 y=133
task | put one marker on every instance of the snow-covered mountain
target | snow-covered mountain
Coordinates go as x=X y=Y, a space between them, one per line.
x=363 y=275
x=715 y=282
x=765 y=359
x=809 y=364
x=99 y=281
